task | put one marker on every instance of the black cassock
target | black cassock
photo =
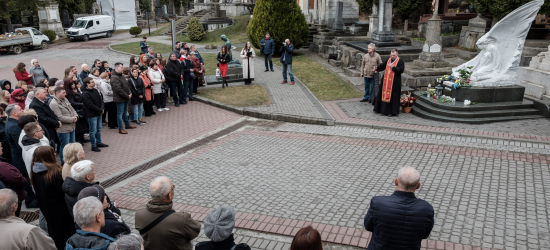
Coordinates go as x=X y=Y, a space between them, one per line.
x=393 y=106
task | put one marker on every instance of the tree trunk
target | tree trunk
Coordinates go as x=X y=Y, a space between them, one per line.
x=9 y=26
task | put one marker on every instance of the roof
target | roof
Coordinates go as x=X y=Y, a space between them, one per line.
x=92 y=17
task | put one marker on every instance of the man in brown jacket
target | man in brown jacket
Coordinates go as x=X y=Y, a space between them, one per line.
x=370 y=60
x=16 y=233
x=67 y=116
x=159 y=225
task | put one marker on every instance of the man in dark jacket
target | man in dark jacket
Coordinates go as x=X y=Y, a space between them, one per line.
x=269 y=47
x=174 y=232
x=186 y=69
x=46 y=116
x=85 y=71
x=90 y=217
x=173 y=78
x=143 y=45
x=13 y=131
x=287 y=51
x=93 y=109
x=400 y=221
x=121 y=96
x=177 y=50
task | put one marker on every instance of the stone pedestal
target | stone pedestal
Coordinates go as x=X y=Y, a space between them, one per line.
x=384 y=32
x=373 y=20
x=477 y=27
x=431 y=56
x=50 y=19
x=535 y=77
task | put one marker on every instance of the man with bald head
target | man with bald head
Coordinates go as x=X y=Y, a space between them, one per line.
x=400 y=221
x=159 y=225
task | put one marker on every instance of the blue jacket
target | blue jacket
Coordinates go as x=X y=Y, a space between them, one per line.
x=12 y=132
x=83 y=76
x=269 y=45
x=198 y=55
x=143 y=46
x=186 y=69
x=287 y=53
x=84 y=240
x=399 y=221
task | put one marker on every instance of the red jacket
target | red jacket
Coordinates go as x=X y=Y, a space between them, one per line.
x=21 y=103
x=23 y=76
x=12 y=179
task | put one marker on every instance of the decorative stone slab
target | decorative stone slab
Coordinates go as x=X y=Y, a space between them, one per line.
x=512 y=93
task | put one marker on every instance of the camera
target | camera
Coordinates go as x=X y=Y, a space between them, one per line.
x=284 y=43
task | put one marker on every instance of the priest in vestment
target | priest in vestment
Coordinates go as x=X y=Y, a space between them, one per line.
x=389 y=94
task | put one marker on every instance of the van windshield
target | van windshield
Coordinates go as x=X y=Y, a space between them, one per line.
x=79 y=24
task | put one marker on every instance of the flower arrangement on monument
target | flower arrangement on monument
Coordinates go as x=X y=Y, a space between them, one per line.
x=464 y=78
x=407 y=102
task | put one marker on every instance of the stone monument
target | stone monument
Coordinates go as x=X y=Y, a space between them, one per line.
x=50 y=19
x=373 y=20
x=477 y=27
x=501 y=48
x=384 y=36
x=535 y=78
x=431 y=56
x=338 y=25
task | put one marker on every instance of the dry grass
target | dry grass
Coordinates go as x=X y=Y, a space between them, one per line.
x=238 y=96
x=322 y=83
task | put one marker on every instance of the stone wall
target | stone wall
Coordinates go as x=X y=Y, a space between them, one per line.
x=231 y=9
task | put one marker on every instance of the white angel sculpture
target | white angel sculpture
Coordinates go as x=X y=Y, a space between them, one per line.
x=496 y=65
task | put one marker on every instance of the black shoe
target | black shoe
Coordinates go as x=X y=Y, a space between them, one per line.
x=223 y=86
x=184 y=102
x=364 y=100
x=85 y=140
x=96 y=149
x=154 y=113
x=32 y=204
x=272 y=70
x=177 y=104
x=101 y=145
x=192 y=99
x=267 y=70
x=390 y=115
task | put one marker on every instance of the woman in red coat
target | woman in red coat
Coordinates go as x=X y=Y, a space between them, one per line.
x=21 y=74
x=18 y=97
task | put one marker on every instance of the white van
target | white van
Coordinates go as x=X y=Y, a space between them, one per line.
x=85 y=28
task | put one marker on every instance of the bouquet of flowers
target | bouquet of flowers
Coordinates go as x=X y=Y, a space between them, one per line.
x=407 y=100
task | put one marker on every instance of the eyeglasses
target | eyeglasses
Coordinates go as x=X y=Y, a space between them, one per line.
x=39 y=131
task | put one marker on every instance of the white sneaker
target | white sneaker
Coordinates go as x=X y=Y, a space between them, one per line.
x=160 y=110
x=166 y=109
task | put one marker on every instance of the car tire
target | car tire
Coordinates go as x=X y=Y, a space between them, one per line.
x=109 y=34
x=44 y=45
x=86 y=38
x=17 y=50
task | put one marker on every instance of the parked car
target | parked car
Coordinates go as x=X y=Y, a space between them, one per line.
x=30 y=39
x=87 y=27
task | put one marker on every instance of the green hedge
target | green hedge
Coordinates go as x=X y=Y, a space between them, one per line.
x=135 y=31
x=195 y=31
x=50 y=34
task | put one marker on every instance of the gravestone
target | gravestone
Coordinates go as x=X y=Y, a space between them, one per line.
x=431 y=56
x=49 y=18
x=65 y=19
x=477 y=27
x=535 y=77
x=384 y=32
x=339 y=22
x=373 y=20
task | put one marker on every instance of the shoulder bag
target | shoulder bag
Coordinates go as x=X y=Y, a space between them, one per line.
x=156 y=222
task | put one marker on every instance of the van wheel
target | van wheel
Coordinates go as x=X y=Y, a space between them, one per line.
x=109 y=34
x=17 y=50
x=86 y=38
x=44 y=45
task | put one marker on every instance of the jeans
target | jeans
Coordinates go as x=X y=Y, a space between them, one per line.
x=138 y=111
x=187 y=86
x=121 y=115
x=369 y=82
x=266 y=58
x=289 y=67
x=95 y=130
x=65 y=138
x=176 y=89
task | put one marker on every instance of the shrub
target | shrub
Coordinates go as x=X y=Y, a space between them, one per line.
x=195 y=31
x=50 y=34
x=135 y=31
x=282 y=19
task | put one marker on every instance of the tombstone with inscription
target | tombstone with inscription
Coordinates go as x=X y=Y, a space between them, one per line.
x=477 y=27
x=338 y=25
x=431 y=56
x=50 y=19
x=373 y=20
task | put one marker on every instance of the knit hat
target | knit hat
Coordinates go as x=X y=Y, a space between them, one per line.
x=58 y=83
x=95 y=191
x=143 y=68
x=17 y=92
x=219 y=224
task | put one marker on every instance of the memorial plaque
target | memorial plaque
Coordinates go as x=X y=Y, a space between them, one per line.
x=53 y=15
x=426 y=48
x=435 y=48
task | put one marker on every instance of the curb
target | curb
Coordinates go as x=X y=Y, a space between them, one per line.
x=268 y=115
x=126 y=53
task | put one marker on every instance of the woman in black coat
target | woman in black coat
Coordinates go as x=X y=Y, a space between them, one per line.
x=135 y=83
x=47 y=181
x=74 y=95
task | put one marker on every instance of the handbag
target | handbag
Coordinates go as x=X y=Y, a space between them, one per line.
x=262 y=50
x=165 y=87
x=192 y=75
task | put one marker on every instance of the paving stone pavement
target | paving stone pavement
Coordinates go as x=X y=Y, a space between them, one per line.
x=487 y=199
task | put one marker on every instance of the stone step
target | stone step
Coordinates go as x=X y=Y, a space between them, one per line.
x=420 y=104
x=352 y=72
x=533 y=89
x=480 y=107
x=427 y=115
x=545 y=97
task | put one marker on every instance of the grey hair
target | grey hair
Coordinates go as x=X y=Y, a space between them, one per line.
x=85 y=210
x=127 y=242
x=408 y=178
x=32 y=61
x=7 y=199
x=11 y=108
x=83 y=65
x=372 y=45
x=159 y=188
x=36 y=90
x=80 y=169
x=150 y=48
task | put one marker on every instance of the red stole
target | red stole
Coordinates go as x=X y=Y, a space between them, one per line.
x=388 y=81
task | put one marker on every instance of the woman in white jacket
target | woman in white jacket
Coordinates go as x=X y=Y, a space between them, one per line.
x=158 y=79
x=110 y=107
x=248 y=54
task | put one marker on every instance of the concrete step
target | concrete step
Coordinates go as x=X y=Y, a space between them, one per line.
x=420 y=104
x=427 y=115
x=525 y=104
x=352 y=72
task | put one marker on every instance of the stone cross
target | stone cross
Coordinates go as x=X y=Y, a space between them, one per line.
x=339 y=22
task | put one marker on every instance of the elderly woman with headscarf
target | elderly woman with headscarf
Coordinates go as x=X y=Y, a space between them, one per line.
x=38 y=72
